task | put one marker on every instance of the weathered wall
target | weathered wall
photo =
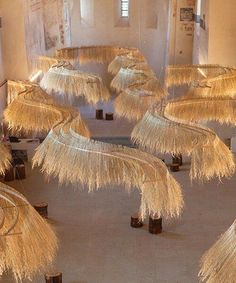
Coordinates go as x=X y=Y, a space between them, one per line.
x=13 y=39
x=141 y=32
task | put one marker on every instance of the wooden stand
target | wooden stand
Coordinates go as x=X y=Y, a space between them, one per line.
x=53 y=277
x=174 y=167
x=109 y=116
x=136 y=222
x=9 y=174
x=155 y=225
x=42 y=209
x=20 y=172
x=99 y=114
x=177 y=159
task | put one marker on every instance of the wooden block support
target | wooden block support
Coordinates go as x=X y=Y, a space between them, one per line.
x=177 y=159
x=99 y=114
x=9 y=174
x=155 y=225
x=174 y=167
x=55 y=277
x=20 y=172
x=109 y=116
x=136 y=222
x=42 y=209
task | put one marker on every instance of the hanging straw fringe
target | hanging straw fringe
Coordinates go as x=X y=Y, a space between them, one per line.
x=128 y=76
x=68 y=84
x=74 y=158
x=44 y=63
x=222 y=110
x=27 y=243
x=124 y=61
x=163 y=133
x=16 y=87
x=38 y=113
x=134 y=101
x=97 y=54
x=218 y=264
x=185 y=74
x=5 y=158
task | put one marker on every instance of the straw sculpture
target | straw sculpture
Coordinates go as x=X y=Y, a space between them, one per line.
x=160 y=132
x=44 y=63
x=127 y=76
x=39 y=113
x=222 y=110
x=27 y=243
x=124 y=61
x=95 y=54
x=185 y=74
x=5 y=158
x=220 y=86
x=15 y=87
x=218 y=263
x=66 y=84
x=134 y=101
x=73 y=158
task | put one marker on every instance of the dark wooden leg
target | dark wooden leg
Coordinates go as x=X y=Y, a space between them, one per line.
x=99 y=114
x=174 y=167
x=136 y=221
x=9 y=174
x=155 y=225
x=20 y=171
x=177 y=159
x=53 y=277
x=42 y=209
x=109 y=116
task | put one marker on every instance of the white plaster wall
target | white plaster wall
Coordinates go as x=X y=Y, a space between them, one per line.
x=222 y=32
x=152 y=42
x=2 y=78
x=13 y=39
x=181 y=34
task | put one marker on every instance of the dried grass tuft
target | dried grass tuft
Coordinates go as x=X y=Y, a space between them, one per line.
x=68 y=84
x=27 y=243
x=218 y=263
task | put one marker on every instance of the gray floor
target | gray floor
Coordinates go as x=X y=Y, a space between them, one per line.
x=97 y=244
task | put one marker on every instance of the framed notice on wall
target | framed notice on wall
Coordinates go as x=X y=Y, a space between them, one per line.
x=186 y=14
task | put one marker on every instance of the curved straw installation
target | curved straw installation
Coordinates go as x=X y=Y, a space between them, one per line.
x=74 y=158
x=185 y=74
x=69 y=84
x=44 y=63
x=139 y=73
x=27 y=243
x=134 y=101
x=218 y=263
x=15 y=87
x=97 y=54
x=124 y=61
x=222 y=110
x=38 y=112
x=160 y=132
x=5 y=158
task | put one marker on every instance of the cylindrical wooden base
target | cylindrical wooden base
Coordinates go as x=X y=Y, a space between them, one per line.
x=9 y=174
x=42 y=209
x=99 y=114
x=135 y=221
x=20 y=172
x=109 y=116
x=174 y=167
x=155 y=225
x=177 y=159
x=53 y=277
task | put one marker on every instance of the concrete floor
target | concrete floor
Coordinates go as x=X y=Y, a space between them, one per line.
x=97 y=244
